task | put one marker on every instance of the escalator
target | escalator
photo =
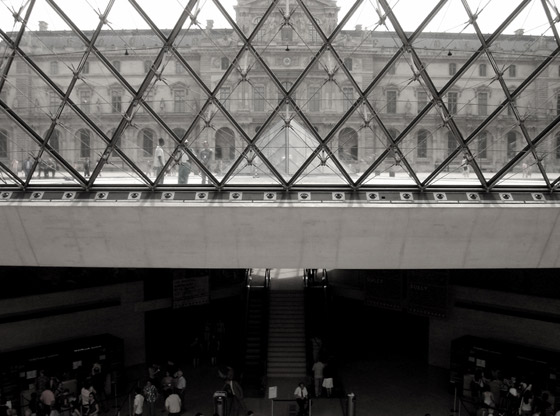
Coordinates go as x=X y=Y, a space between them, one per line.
x=256 y=333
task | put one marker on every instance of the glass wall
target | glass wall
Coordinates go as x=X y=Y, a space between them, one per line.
x=286 y=93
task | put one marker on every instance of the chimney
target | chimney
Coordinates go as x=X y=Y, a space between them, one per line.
x=358 y=28
x=209 y=24
x=43 y=26
x=519 y=32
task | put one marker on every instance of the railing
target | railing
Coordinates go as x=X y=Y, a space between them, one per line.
x=248 y=281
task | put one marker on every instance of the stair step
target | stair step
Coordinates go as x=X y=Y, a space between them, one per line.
x=288 y=375
x=289 y=361
x=285 y=366
x=285 y=340
x=284 y=351
x=297 y=326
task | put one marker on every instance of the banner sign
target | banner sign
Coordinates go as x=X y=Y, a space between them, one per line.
x=426 y=293
x=383 y=289
x=191 y=291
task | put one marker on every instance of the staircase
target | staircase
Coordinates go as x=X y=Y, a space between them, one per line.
x=286 y=334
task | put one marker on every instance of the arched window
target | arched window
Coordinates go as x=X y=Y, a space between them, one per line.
x=147 y=137
x=348 y=144
x=422 y=144
x=3 y=143
x=85 y=142
x=511 y=144
x=225 y=144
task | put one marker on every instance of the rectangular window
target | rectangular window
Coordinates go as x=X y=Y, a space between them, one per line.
x=224 y=96
x=512 y=71
x=422 y=147
x=482 y=70
x=179 y=99
x=348 y=99
x=117 y=65
x=54 y=102
x=147 y=66
x=258 y=98
x=261 y=36
x=452 y=68
x=3 y=144
x=85 y=69
x=179 y=68
x=558 y=104
x=85 y=100
x=4 y=94
x=85 y=147
x=482 y=145
x=451 y=143
x=54 y=68
x=511 y=145
x=392 y=69
x=452 y=102
x=314 y=98
x=391 y=102
x=313 y=34
x=422 y=100
x=116 y=101
x=482 y=103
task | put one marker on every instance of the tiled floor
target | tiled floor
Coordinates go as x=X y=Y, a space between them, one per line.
x=385 y=387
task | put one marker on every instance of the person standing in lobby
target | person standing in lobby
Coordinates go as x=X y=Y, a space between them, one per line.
x=317 y=369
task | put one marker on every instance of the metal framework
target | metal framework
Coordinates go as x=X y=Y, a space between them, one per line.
x=315 y=140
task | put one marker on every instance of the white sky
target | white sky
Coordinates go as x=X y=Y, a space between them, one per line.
x=452 y=17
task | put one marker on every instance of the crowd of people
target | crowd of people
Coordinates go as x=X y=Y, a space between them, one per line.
x=495 y=394
x=51 y=397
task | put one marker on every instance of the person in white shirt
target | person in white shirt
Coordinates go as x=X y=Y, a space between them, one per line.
x=173 y=404
x=138 y=402
x=301 y=398
x=159 y=156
